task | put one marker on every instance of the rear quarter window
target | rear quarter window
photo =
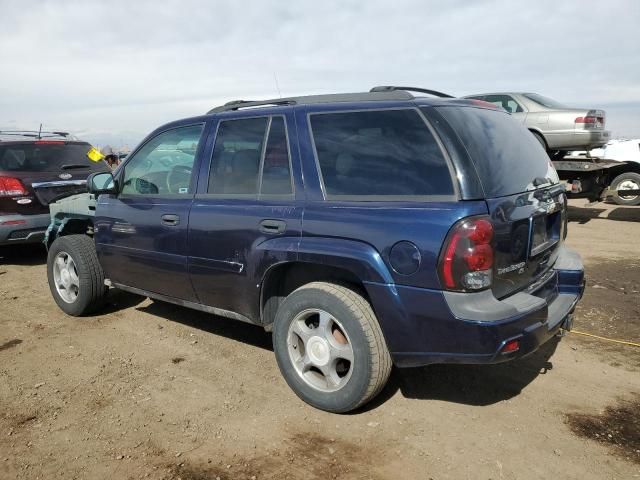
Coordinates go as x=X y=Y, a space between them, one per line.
x=507 y=157
x=379 y=154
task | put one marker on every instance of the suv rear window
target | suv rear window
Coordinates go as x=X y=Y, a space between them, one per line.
x=379 y=153
x=46 y=157
x=506 y=155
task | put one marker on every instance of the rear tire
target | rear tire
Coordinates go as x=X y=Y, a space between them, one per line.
x=75 y=276
x=330 y=348
x=627 y=180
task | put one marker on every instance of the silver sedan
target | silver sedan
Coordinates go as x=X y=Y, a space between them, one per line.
x=556 y=126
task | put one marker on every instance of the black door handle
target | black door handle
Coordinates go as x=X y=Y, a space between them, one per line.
x=170 y=219
x=273 y=226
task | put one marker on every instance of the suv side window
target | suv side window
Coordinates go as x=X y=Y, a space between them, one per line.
x=276 y=169
x=164 y=165
x=505 y=101
x=379 y=153
x=251 y=156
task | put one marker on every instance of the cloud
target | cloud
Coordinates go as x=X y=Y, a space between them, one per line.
x=121 y=68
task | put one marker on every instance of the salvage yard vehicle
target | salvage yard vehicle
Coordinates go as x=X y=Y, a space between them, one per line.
x=363 y=230
x=561 y=129
x=37 y=168
x=558 y=128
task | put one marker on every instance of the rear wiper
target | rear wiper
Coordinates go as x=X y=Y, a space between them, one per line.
x=541 y=181
x=549 y=192
x=74 y=165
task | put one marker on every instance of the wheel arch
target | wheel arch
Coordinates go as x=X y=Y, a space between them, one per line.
x=68 y=225
x=539 y=134
x=625 y=167
x=345 y=262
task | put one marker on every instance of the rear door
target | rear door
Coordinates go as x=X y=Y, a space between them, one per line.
x=141 y=233
x=245 y=203
x=525 y=201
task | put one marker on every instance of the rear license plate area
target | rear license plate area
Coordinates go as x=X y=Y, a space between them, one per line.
x=545 y=232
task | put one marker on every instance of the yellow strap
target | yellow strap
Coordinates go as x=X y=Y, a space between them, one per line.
x=94 y=155
x=623 y=342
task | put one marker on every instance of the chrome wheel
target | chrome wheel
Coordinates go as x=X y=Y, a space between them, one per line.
x=628 y=185
x=65 y=277
x=320 y=350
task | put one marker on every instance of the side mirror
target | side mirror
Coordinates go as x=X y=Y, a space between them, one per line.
x=101 y=182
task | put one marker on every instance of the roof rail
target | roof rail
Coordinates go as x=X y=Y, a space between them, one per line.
x=34 y=133
x=390 y=88
x=238 y=104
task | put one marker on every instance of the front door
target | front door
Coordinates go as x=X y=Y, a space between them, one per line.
x=242 y=211
x=141 y=233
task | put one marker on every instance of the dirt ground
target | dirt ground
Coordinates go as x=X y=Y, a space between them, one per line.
x=149 y=390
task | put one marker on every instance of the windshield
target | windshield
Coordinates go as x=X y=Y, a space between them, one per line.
x=544 y=101
x=46 y=157
x=507 y=157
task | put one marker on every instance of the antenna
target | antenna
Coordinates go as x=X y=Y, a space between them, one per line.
x=275 y=77
x=40 y=132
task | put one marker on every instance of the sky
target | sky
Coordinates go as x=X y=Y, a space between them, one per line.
x=112 y=71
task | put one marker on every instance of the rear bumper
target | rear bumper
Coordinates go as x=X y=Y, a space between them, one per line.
x=592 y=139
x=576 y=139
x=23 y=228
x=423 y=326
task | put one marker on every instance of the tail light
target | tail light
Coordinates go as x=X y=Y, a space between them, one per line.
x=466 y=261
x=11 y=187
x=593 y=119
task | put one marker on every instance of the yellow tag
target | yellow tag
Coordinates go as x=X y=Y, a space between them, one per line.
x=95 y=155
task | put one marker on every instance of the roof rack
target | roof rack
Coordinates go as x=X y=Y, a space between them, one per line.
x=38 y=134
x=390 y=88
x=388 y=93
x=238 y=104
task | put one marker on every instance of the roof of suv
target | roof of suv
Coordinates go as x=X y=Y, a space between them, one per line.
x=35 y=136
x=381 y=93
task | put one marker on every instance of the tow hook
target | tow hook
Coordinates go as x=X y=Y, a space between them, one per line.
x=566 y=327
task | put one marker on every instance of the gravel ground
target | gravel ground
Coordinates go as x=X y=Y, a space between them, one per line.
x=149 y=390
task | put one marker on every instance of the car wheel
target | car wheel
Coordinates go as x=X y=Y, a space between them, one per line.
x=75 y=276
x=330 y=348
x=626 y=181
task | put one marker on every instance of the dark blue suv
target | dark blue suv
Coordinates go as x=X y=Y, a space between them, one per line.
x=363 y=230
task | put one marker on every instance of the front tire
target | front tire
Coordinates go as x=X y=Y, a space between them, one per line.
x=626 y=181
x=330 y=348
x=75 y=276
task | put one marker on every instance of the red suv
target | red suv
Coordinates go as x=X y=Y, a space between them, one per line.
x=37 y=168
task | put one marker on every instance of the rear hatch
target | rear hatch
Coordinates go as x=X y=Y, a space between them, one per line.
x=48 y=169
x=526 y=203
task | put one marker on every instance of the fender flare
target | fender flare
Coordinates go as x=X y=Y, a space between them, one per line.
x=360 y=258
